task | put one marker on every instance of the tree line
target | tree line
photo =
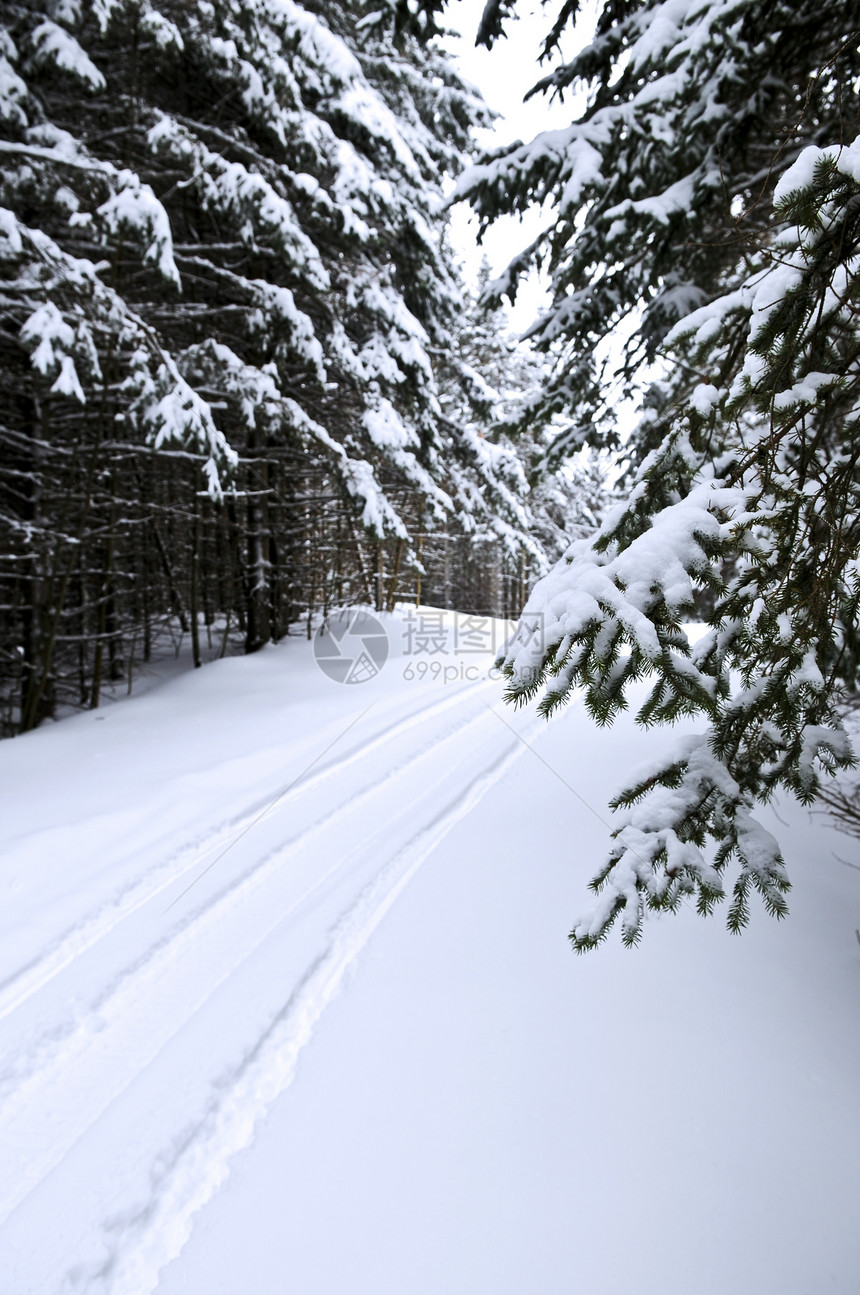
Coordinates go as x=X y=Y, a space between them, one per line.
x=244 y=380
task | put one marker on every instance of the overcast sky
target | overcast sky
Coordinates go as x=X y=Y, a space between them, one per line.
x=504 y=75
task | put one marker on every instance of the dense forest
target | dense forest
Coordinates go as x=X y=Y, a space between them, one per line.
x=244 y=380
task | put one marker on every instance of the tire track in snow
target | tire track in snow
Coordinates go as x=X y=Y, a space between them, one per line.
x=108 y=1047
x=140 y=1242
x=66 y=948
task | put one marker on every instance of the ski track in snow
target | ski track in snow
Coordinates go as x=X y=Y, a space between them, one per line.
x=178 y=1112
x=140 y=1241
x=84 y=1069
x=90 y=930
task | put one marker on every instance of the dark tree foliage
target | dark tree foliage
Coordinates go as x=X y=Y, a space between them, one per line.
x=706 y=199
x=225 y=310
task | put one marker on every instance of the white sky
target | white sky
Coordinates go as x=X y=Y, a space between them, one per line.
x=504 y=75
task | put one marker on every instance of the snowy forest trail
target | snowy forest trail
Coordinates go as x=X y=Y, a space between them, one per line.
x=127 y=1007
x=180 y=1111
x=121 y=904
x=281 y=895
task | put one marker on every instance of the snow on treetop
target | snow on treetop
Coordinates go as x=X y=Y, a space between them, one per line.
x=386 y=428
x=801 y=174
x=10 y=235
x=13 y=90
x=134 y=208
x=54 y=45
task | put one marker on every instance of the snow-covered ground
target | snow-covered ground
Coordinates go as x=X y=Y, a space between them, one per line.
x=287 y=1005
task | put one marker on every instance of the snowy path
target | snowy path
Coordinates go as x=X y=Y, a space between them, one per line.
x=167 y=971
x=271 y=909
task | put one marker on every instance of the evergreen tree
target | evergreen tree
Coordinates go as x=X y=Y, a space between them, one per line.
x=488 y=543
x=513 y=514
x=224 y=291
x=709 y=192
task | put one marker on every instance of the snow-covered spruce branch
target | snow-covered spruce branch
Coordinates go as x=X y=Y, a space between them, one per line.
x=661 y=186
x=61 y=333
x=752 y=499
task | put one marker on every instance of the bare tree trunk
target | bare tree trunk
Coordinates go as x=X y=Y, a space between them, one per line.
x=239 y=582
x=392 y=584
x=31 y=713
x=379 y=574
x=172 y=585
x=29 y=584
x=446 y=587
x=365 y=568
x=258 y=608
x=195 y=588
